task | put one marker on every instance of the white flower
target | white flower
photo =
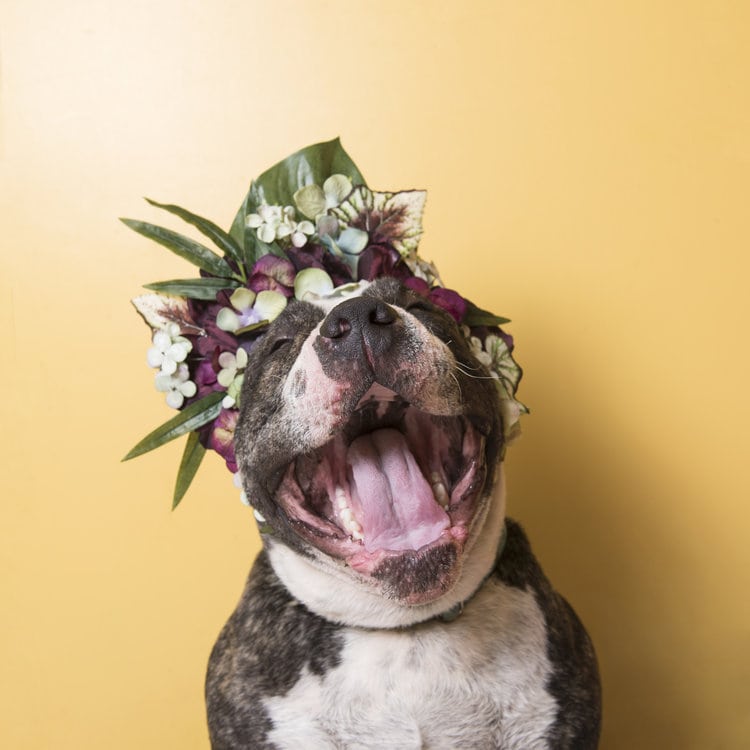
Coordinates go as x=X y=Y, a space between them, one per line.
x=231 y=365
x=275 y=223
x=265 y=222
x=169 y=349
x=177 y=386
x=230 y=376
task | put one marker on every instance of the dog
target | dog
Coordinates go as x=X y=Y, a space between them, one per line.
x=393 y=606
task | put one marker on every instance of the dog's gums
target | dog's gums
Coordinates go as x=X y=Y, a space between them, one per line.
x=394 y=481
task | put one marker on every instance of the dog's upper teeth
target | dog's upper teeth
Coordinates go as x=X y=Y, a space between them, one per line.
x=347 y=516
x=438 y=489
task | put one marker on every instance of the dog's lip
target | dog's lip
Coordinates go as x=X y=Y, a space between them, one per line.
x=314 y=512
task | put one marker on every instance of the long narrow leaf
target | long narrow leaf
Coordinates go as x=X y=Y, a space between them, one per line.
x=216 y=234
x=203 y=289
x=189 y=419
x=475 y=316
x=191 y=460
x=183 y=246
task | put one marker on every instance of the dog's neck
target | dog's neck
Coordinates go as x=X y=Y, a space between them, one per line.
x=333 y=593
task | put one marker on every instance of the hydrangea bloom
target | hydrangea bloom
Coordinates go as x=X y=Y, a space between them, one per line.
x=277 y=222
x=169 y=349
x=176 y=385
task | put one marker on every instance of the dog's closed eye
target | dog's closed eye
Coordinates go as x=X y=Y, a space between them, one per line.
x=279 y=343
x=421 y=306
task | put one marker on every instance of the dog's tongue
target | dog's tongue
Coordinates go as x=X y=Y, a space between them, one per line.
x=397 y=508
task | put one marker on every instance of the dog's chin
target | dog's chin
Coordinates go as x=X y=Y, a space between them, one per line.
x=394 y=496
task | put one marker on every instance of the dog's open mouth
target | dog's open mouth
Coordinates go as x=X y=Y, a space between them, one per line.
x=394 y=482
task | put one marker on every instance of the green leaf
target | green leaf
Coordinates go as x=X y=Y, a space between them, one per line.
x=252 y=327
x=277 y=185
x=475 y=316
x=203 y=288
x=191 y=418
x=191 y=460
x=183 y=246
x=216 y=234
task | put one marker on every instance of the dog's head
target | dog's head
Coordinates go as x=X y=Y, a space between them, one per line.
x=369 y=439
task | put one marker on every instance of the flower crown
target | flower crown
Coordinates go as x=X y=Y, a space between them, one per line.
x=308 y=227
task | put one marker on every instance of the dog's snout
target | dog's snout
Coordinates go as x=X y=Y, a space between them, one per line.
x=359 y=321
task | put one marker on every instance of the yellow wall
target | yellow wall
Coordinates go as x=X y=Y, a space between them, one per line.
x=588 y=168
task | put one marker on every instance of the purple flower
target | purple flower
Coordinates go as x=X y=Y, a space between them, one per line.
x=378 y=260
x=221 y=437
x=448 y=299
x=452 y=302
x=204 y=314
x=274 y=274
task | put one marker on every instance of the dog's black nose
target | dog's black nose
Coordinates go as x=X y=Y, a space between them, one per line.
x=359 y=321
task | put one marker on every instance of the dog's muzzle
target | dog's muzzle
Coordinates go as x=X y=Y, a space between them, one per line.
x=393 y=491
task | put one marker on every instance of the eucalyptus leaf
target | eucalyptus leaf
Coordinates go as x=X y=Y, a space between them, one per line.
x=183 y=246
x=309 y=166
x=191 y=460
x=475 y=316
x=191 y=418
x=217 y=235
x=200 y=288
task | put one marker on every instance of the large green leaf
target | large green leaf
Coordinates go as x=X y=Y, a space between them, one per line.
x=199 y=288
x=183 y=246
x=191 y=460
x=216 y=234
x=191 y=418
x=277 y=185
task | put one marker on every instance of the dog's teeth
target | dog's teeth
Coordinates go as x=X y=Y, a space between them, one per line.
x=341 y=500
x=441 y=494
x=346 y=515
x=438 y=489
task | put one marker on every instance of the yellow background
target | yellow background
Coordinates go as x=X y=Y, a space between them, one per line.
x=588 y=171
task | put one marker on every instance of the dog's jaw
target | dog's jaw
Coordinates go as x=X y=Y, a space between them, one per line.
x=328 y=588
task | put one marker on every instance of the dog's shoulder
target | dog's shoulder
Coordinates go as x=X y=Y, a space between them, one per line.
x=574 y=681
x=267 y=643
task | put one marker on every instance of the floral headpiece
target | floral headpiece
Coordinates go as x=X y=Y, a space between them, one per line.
x=308 y=227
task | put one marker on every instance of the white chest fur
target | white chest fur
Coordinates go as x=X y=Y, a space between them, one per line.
x=478 y=682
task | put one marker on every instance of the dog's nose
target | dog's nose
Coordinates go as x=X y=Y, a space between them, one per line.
x=358 y=321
